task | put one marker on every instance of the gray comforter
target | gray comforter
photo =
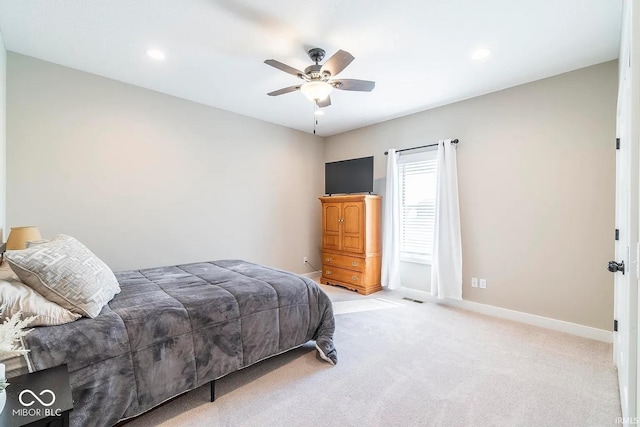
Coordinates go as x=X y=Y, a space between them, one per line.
x=173 y=329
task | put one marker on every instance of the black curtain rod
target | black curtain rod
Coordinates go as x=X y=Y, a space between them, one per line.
x=455 y=141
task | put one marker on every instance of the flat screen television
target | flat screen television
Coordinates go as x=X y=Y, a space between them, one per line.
x=349 y=176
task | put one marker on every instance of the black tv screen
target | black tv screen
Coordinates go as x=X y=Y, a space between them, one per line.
x=349 y=176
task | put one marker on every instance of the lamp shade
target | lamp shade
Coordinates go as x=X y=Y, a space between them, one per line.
x=19 y=236
x=316 y=91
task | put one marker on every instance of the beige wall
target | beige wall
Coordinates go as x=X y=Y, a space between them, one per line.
x=3 y=139
x=536 y=166
x=146 y=179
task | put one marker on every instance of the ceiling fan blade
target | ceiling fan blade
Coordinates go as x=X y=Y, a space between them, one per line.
x=337 y=62
x=284 y=67
x=353 y=84
x=284 y=90
x=324 y=102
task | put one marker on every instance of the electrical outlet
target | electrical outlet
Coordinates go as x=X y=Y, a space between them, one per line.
x=474 y=282
x=304 y=260
x=483 y=283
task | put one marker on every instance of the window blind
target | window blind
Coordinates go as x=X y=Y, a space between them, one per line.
x=418 y=174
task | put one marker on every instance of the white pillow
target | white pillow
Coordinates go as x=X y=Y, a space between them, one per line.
x=16 y=296
x=67 y=273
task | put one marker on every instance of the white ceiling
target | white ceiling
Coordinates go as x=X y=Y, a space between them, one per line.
x=417 y=51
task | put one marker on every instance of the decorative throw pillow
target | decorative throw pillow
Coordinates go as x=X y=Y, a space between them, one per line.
x=67 y=273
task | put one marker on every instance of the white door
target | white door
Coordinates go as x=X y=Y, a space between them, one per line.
x=626 y=283
x=625 y=293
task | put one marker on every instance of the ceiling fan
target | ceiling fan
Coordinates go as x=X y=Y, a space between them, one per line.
x=319 y=79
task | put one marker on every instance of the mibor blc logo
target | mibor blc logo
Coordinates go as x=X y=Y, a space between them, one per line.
x=45 y=398
x=30 y=400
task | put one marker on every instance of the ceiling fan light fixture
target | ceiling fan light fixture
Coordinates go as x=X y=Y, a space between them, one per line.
x=316 y=91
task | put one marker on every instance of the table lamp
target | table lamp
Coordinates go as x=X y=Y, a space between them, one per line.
x=19 y=236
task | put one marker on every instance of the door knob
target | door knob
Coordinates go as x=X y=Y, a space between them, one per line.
x=616 y=266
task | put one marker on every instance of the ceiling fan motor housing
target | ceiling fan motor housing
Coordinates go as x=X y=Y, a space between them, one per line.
x=315 y=72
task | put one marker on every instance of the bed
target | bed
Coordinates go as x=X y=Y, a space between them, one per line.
x=173 y=329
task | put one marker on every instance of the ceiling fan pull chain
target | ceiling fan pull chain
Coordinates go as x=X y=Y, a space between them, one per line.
x=315 y=116
x=315 y=119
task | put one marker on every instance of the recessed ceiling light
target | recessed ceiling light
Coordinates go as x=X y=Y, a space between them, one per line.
x=482 y=53
x=155 y=53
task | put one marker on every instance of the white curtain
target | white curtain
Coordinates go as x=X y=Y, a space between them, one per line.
x=391 y=226
x=446 y=265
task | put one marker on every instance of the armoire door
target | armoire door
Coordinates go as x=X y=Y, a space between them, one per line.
x=331 y=214
x=353 y=227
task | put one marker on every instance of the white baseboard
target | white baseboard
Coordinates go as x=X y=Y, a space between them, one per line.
x=518 y=316
x=313 y=275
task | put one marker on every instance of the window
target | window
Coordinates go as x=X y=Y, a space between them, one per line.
x=418 y=174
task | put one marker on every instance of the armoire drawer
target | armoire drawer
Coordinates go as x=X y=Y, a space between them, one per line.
x=330 y=273
x=343 y=261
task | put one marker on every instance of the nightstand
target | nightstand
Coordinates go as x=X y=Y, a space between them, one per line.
x=39 y=399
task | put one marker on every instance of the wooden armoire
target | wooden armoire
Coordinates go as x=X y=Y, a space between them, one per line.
x=351 y=242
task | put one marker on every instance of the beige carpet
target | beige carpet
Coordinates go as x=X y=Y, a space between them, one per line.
x=415 y=365
x=345 y=307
